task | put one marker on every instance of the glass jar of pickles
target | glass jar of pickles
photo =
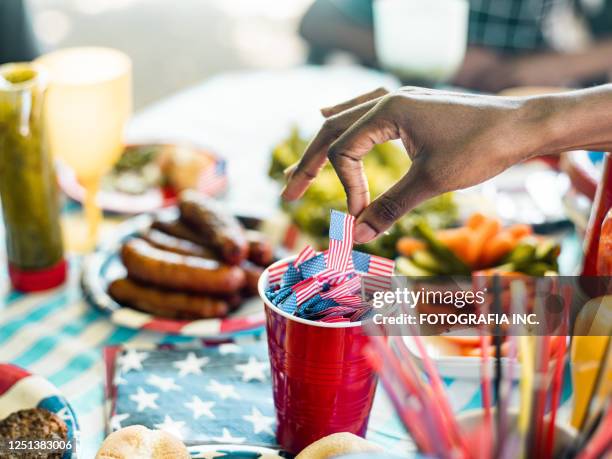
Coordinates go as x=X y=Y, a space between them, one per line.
x=28 y=188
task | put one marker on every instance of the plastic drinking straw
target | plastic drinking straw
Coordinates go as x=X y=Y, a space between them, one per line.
x=541 y=386
x=504 y=396
x=485 y=387
x=430 y=401
x=557 y=382
x=526 y=386
x=514 y=442
x=410 y=379
x=439 y=404
x=602 y=370
x=438 y=388
x=509 y=440
x=498 y=364
x=592 y=416
x=601 y=440
x=409 y=417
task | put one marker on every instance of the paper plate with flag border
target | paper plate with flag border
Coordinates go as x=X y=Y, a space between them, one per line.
x=103 y=266
x=20 y=390
x=211 y=181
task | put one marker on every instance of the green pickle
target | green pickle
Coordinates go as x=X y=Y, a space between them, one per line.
x=28 y=188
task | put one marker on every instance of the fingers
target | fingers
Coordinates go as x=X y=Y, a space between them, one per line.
x=402 y=197
x=334 y=110
x=346 y=153
x=301 y=175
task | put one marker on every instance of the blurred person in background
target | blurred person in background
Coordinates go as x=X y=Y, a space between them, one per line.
x=17 y=41
x=510 y=42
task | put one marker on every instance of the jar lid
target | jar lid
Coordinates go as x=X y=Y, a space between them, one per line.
x=37 y=280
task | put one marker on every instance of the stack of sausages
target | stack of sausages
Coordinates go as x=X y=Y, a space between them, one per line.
x=199 y=266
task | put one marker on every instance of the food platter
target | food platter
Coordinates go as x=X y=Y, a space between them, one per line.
x=21 y=390
x=212 y=181
x=104 y=266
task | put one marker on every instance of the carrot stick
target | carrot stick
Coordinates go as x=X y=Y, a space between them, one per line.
x=487 y=230
x=472 y=249
x=519 y=230
x=496 y=247
x=408 y=245
x=475 y=220
x=453 y=237
x=456 y=239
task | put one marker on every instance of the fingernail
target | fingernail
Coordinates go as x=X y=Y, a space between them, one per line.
x=288 y=170
x=364 y=233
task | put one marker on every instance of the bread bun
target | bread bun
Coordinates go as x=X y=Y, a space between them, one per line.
x=337 y=444
x=138 y=442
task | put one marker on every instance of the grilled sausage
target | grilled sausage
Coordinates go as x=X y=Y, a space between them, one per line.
x=174 y=244
x=148 y=264
x=221 y=232
x=178 y=229
x=165 y=303
x=260 y=249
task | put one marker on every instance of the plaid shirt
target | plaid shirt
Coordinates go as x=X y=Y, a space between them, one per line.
x=523 y=25
x=511 y=25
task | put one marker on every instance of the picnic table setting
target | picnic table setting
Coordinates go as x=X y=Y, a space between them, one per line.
x=159 y=300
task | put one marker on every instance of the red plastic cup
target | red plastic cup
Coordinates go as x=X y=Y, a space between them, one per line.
x=321 y=381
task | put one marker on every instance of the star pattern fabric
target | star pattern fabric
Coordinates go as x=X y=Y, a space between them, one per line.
x=213 y=394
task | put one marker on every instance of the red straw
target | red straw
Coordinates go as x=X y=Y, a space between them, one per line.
x=485 y=383
x=601 y=441
x=557 y=382
x=408 y=414
x=540 y=392
x=406 y=367
x=438 y=388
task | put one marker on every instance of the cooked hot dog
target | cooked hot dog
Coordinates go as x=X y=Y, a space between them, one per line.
x=177 y=229
x=260 y=249
x=164 y=303
x=221 y=232
x=148 y=264
x=174 y=244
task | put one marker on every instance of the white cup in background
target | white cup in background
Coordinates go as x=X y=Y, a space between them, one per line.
x=421 y=39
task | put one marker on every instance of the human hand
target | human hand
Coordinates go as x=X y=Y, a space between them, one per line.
x=455 y=140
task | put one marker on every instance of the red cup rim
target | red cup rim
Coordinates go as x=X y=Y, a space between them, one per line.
x=262 y=284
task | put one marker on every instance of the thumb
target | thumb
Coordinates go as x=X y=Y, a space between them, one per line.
x=390 y=206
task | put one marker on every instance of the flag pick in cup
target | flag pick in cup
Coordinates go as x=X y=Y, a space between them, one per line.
x=327 y=285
